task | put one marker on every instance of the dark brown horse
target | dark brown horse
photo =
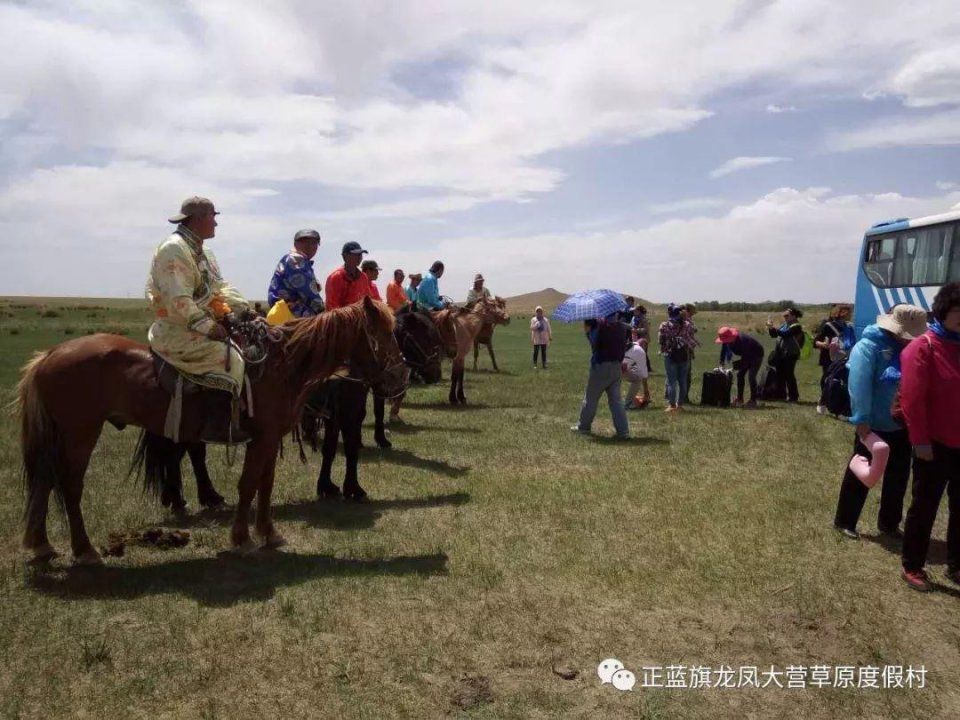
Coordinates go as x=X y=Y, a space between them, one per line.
x=67 y=393
x=458 y=328
x=485 y=337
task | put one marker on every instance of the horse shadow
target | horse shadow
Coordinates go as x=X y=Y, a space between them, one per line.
x=409 y=428
x=406 y=458
x=491 y=371
x=224 y=580
x=335 y=514
x=442 y=405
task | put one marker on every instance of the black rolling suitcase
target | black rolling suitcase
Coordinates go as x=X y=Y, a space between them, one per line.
x=772 y=386
x=716 y=387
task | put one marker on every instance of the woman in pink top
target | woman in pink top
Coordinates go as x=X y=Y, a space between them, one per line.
x=540 y=335
x=930 y=399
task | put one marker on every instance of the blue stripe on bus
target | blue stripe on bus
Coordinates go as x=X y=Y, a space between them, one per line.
x=895 y=298
x=891 y=227
x=884 y=301
x=923 y=299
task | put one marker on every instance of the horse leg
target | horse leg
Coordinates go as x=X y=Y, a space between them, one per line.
x=325 y=486
x=379 y=433
x=77 y=449
x=35 y=538
x=171 y=491
x=461 y=398
x=476 y=353
x=351 y=452
x=207 y=494
x=271 y=537
x=260 y=454
x=453 y=380
x=493 y=358
x=395 y=407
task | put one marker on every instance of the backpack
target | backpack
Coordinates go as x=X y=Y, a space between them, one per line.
x=842 y=342
x=836 y=392
x=806 y=346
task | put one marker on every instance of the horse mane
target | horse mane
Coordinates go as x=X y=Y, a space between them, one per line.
x=322 y=336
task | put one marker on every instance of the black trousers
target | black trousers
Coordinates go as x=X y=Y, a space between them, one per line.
x=787 y=369
x=542 y=349
x=853 y=493
x=823 y=384
x=930 y=478
x=748 y=372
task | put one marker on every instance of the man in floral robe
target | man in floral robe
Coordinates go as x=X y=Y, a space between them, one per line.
x=189 y=298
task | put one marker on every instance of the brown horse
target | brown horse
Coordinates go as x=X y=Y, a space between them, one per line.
x=459 y=327
x=68 y=392
x=485 y=337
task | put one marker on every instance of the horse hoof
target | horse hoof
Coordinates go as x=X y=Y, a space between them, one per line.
x=89 y=558
x=384 y=444
x=213 y=503
x=42 y=554
x=358 y=496
x=274 y=540
x=244 y=549
x=329 y=492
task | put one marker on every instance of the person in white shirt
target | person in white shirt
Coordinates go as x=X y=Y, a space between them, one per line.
x=635 y=372
x=540 y=335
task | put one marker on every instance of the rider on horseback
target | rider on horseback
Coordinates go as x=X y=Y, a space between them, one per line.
x=190 y=300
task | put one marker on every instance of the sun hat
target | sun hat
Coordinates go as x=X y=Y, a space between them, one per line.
x=303 y=234
x=193 y=206
x=726 y=335
x=905 y=321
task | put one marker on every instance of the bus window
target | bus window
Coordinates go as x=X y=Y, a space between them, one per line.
x=879 y=262
x=955 y=259
x=929 y=260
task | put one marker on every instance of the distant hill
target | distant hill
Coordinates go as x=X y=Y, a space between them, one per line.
x=548 y=298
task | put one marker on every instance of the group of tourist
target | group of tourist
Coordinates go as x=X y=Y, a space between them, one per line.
x=904 y=386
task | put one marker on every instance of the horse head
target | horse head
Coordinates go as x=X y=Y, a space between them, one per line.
x=421 y=344
x=376 y=357
x=493 y=310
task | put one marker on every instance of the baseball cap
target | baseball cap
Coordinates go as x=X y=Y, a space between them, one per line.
x=304 y=234
x=353 y=248
x=193 y=206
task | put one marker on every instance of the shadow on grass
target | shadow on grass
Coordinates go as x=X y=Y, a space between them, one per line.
x=633 y=440
x=408 y=428
x=406 y=458
x=936 y=555
x=491 y=371
x=224 y=580
x=460 y=408
x=331 y=514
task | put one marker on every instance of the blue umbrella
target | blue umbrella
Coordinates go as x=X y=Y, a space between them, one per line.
x=589 y=305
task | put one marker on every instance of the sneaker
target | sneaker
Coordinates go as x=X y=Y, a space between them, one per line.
x=822 y=410
x=670 y=409
x=917 y=580
x=847 y=532
x=576 y=429
x=752 y=405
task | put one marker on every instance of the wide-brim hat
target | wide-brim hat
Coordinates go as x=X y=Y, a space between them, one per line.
x=193 y=206
x=415 y=276
x=726 y=334
x=905 y=321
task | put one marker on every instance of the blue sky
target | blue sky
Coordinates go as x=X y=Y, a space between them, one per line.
x=722 y=150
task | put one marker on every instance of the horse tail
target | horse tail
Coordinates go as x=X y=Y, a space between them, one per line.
x=150 y=461
x=40 y=441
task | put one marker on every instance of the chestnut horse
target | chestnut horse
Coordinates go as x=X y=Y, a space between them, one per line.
x=68 y=392
x=485 y=337
x=459 y=327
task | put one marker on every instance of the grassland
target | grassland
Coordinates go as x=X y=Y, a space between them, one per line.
x=499 y=550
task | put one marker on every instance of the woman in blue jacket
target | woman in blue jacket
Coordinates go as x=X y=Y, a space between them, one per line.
x=874 y=377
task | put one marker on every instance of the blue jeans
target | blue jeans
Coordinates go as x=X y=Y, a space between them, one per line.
x=676 y=381
x=604 y=378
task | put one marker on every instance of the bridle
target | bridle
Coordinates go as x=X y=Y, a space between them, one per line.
x=428 y=358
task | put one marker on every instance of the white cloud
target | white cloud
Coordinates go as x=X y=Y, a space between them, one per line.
x=687 y=205
x=942 y=128
x=745 y=162
x=947 y=185
x=930 y=78
x=777 y=109
x=751 y=252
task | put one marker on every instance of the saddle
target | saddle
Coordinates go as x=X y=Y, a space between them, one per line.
x=167 y=376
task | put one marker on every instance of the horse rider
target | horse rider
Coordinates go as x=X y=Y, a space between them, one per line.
x=293 y=280
x=478 y=291
x=428 y=292
x=347 y=283
x=190 y=299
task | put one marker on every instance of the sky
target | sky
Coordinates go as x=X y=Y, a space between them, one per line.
x=681 y=151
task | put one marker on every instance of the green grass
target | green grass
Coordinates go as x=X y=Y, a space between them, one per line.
x=498 y=547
